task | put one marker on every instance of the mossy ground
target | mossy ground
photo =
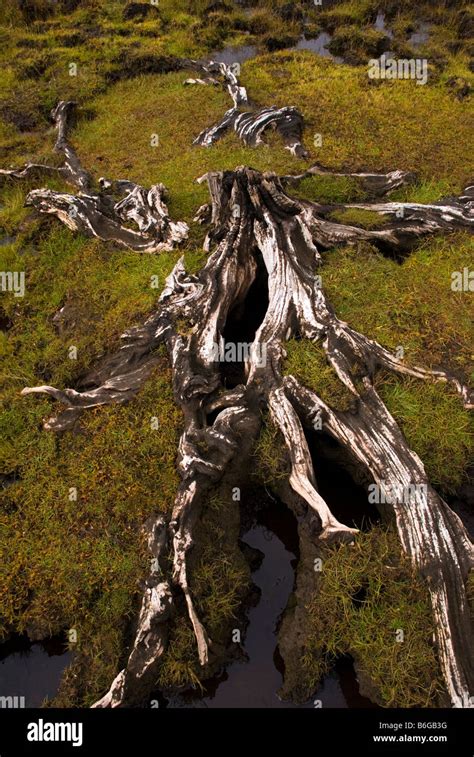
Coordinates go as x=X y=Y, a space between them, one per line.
x=365 y=219
x=366 y=594
x=77 y=564
x=75 y=561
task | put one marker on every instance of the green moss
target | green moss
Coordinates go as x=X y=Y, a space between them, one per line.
x=14 y=216
x=99 y=286
x=435 y=425
x=329 y=189
x=365 y=594
x=281 y=36
x=359 y=217
x=271 y=455
x=307 y=362
x=219 y=581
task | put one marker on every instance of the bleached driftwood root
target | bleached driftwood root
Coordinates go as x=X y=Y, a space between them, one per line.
x=151 y=637
x=72 y=172
x=256 y=227
x=107 y=213
x=249 y=125
x=211 y=70
x=375 y=183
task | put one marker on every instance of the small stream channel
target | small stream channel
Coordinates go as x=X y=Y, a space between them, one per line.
x=254 y=682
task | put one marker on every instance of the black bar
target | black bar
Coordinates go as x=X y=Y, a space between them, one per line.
x=135 y=731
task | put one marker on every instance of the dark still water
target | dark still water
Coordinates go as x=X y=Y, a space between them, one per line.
x=254 y=683
x=32 y=670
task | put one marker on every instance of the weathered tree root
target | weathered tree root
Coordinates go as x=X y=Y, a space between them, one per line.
x=430 y=532
x=250 y=125
x=406 y=221
x=72 y=172
x=103 y=215
x=211 y=70
x=279 y=233
x=151 y=637
x=376 y=184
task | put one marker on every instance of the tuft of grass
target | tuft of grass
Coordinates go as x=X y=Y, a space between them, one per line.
x=271 y=455
x=426 y=192
x=348 y=12
x=180 y=667
x=401 y=674
x=357 y=44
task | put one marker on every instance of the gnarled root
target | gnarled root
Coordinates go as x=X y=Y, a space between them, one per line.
x=151 y=633
x=107 y=213
x=430 y=532
x=255 y=223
